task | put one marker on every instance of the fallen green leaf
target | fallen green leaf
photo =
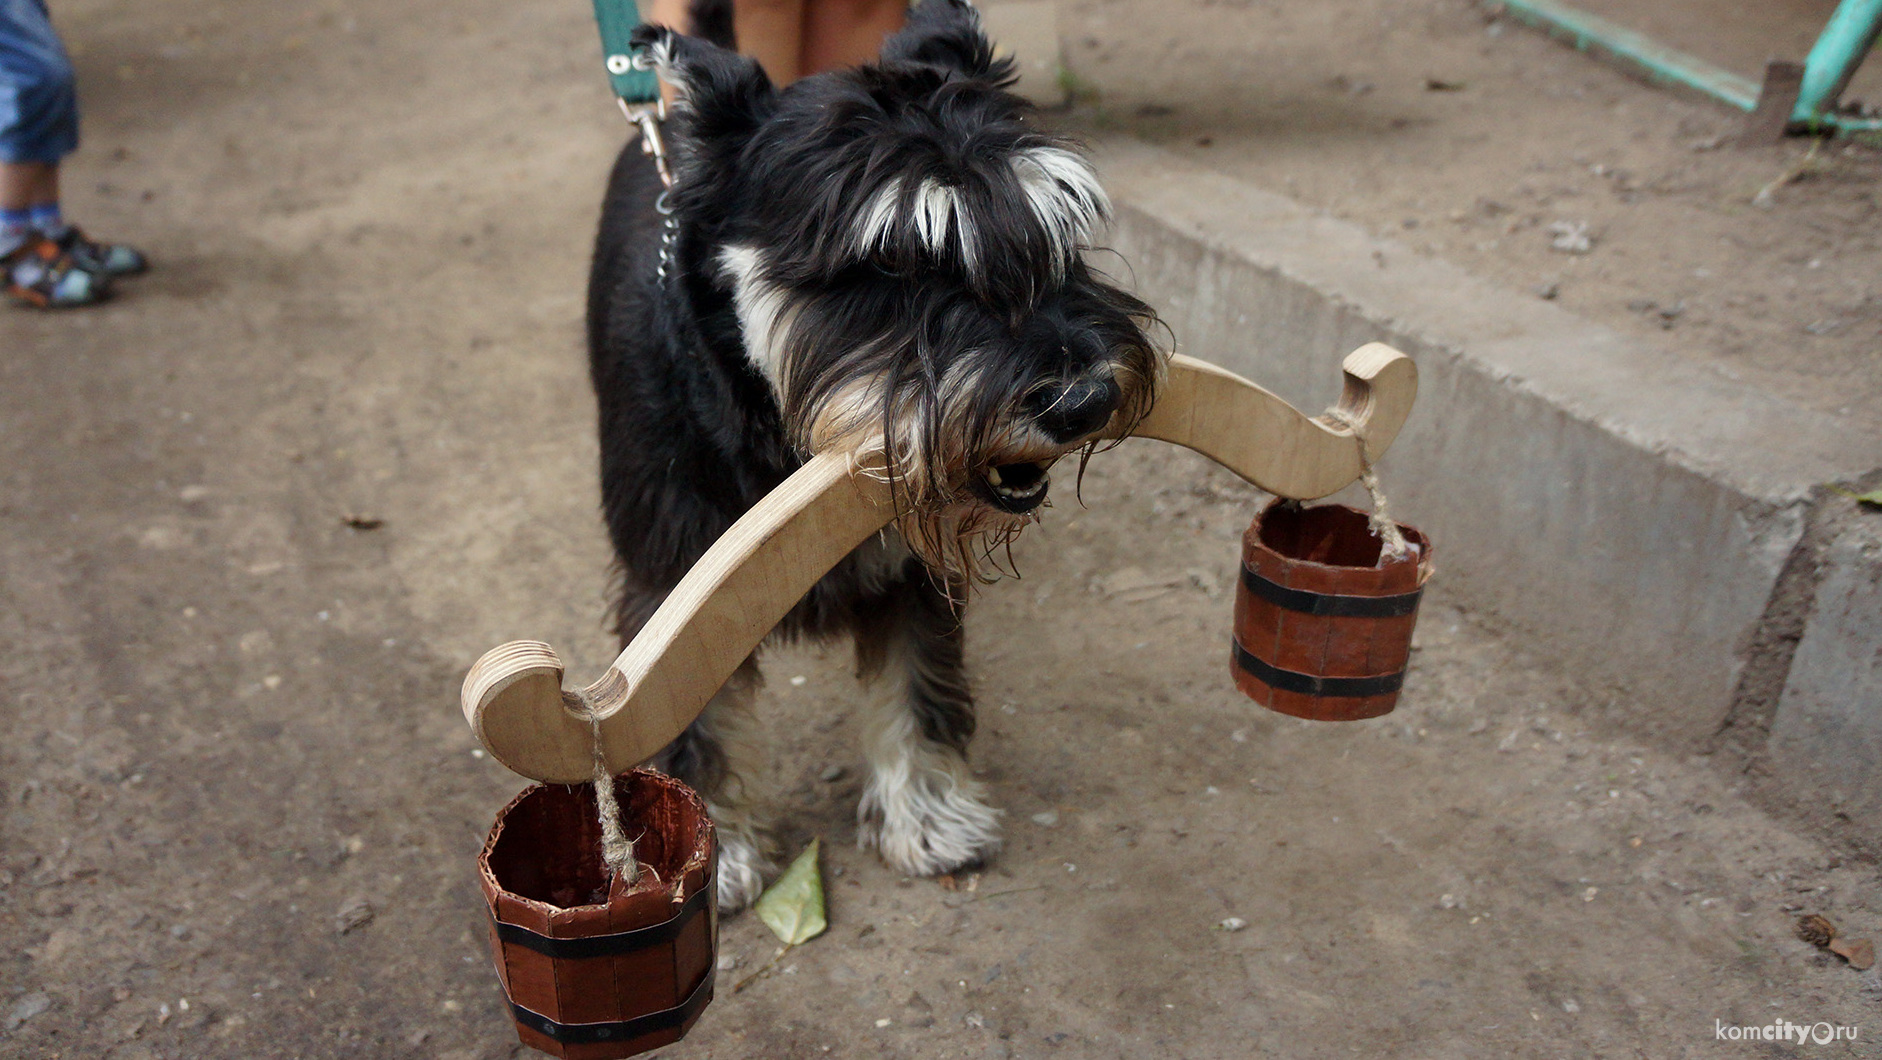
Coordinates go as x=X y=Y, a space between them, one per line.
x=793 y=906
x=1873 y=498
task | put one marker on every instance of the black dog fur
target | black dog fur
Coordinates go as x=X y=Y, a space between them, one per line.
x=884 y=256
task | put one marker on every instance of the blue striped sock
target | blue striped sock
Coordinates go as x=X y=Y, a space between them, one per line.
x=14 y=227
x=47 y=218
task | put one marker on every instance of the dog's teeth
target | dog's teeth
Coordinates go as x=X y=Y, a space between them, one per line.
x=996 y=484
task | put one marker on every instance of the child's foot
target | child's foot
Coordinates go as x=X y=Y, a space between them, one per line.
x=41 y=273
x=111 y=259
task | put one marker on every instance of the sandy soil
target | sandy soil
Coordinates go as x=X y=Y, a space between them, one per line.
x=1470 y=138
x=233 y=773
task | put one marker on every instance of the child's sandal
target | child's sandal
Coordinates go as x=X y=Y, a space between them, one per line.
x=41 y=274
x=111 y=259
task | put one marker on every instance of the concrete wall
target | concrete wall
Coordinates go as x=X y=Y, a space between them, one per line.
x=1826 y=741
x=1028 y=30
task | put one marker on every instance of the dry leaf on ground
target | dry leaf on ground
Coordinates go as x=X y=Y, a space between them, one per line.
x=793 y=906
x=1860 y=953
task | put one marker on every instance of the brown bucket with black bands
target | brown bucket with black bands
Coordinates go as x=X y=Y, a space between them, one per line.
x=1323 y=618
x=595 y=969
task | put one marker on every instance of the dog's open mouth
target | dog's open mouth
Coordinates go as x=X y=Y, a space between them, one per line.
x=1015 y=488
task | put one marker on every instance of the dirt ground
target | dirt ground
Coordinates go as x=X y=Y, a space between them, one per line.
x=1471 y=138
x=241 y=809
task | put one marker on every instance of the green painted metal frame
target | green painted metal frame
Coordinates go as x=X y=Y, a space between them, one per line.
x=1845 y=40
x=1833 y=60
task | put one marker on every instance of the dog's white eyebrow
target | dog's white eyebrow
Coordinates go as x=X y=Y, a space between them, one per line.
x=1064 y=194
x=935 y=205
x=938 y=210
x=876 y=220
x=763 y=308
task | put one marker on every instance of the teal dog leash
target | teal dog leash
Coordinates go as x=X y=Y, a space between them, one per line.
x=633 y=84
x=636 y=87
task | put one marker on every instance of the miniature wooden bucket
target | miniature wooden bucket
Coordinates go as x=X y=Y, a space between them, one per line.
x=595 y=970
x=1323 y=622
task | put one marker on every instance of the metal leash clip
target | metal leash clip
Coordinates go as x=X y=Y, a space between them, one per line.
x=648 y=117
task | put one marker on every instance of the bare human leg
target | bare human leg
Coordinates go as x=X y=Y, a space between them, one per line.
x=840 y=33
x=772 y=32
x=24 y=185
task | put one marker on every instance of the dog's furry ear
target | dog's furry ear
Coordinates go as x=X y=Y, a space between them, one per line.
x=723 y=93
x=947 y=33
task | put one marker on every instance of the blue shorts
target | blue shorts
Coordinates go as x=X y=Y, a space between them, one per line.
x=38 y=94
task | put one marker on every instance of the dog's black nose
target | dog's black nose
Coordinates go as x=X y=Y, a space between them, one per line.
x=1074 y=409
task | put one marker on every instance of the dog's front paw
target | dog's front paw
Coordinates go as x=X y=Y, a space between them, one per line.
x=742 y=868
x=925 y=822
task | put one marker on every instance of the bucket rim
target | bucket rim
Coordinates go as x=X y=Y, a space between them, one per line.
x=1419 y=555
x=699 y=862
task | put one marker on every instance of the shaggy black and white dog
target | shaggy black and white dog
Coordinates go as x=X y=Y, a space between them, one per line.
x=884 y=257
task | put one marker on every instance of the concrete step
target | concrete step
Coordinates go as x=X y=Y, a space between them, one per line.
x=1662 y=530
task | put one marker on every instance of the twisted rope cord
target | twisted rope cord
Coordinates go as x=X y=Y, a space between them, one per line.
x=1380 y=518
x=617 y=850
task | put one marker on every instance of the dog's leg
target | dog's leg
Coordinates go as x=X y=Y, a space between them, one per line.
x=718 y=755
x=922 y=809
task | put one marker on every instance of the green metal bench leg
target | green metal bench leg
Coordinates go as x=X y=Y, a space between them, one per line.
x=1833 y=60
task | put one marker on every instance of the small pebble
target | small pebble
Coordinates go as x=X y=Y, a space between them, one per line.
x=1571 y=237
x=26 y=1008
x=1233 y=923
x=353 y=915
x=831 y=774
x=1048 y=819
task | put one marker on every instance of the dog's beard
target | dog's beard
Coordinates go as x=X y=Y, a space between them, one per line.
x=930 y=471
x=941 y=445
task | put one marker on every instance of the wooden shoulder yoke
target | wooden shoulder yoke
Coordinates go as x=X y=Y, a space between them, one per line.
x=754 y=574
